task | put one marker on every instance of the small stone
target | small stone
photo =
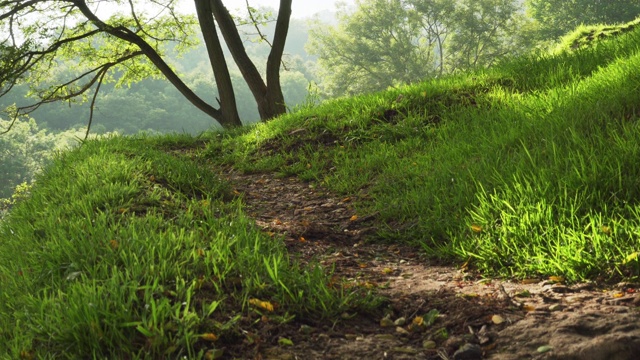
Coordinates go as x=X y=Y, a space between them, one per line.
x=306 y=329
x=400 y=321
x=386 y=322
x=544 y=349
x=468 y=352
x=429 y=344
x=405 y=350
x=556 y=307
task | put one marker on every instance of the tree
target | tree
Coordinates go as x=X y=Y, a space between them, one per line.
x=41 y=33
x=557 y=17
x=386 y=42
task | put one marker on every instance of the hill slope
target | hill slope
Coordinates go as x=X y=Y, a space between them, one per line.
x=137 y=248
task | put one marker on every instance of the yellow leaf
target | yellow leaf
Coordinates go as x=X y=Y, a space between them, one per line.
x=497 y=319
x=236 y=192
x=529 y=281
x=204 y=203
x=347 y=199
x=308 y=166
x=418 y=321
x=200 y=252
x=606 y=230
x=387 y=271
x=476 y=228
x=618 y=295
x=261 y=304
x=557 y=279
x=354 y=218
x=209 y=337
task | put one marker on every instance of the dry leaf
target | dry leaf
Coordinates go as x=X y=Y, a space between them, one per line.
x=209 y=337
x=497 y=319
x=558 y=279
x=261 y=304
x=476 y=228
x=354 y=218
x=528 y=308
x=529 y=281
x=302 y=239
x=114 y=244
x=387 y=271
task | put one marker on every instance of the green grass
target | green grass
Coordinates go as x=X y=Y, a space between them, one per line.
x=125 y=251
x=541 y=153
x=134 y=248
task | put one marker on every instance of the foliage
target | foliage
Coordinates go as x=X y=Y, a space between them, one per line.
x=527 y=168
x=152 y=104
x=387 y=43
x=23 y=153
x=557 y=17
x=123 y=250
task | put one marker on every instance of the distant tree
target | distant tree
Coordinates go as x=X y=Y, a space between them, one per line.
x=22 y=154
x=383 y=43
x=558 y=17
x=39 y=34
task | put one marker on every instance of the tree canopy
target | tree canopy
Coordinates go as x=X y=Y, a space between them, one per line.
x=383 y=43
x=131 y=42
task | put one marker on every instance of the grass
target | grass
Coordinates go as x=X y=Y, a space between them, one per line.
x=134 y=248
x=130 y=252
x=538 y=155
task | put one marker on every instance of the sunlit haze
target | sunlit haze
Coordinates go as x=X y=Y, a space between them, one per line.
x=300 y=8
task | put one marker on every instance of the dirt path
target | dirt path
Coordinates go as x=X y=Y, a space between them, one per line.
x=477 y=318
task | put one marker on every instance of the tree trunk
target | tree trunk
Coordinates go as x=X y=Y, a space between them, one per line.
x=268 y=96
x=125 y=34
x=228 y=105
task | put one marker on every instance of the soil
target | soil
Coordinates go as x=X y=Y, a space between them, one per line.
x=477 y=318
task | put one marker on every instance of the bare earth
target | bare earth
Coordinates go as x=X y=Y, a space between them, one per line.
x=478 y=318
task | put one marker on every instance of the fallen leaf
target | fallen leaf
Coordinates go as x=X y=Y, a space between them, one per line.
x=114 y=244
x=418 y=321
x=285 y=342
x=209 y=337
x=618 y=295
x=544 y=349
x=476 y=228
x=529 y=281
x=261 y=304
x=354 y=218
x=347 y=199
x=387 y=271
x=277 y=222
x=528 y=308
x=200 y=252
x=302 y=239
x=497 y=319
x=606 y=230
x=214 y=354
x=558 y=279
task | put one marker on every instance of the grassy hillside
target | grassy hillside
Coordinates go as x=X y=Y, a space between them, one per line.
x=135 y=248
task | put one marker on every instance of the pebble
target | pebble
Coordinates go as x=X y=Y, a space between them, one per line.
x=556 y=307
x=468 y=352
x=400 y=321
x=429 y=344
